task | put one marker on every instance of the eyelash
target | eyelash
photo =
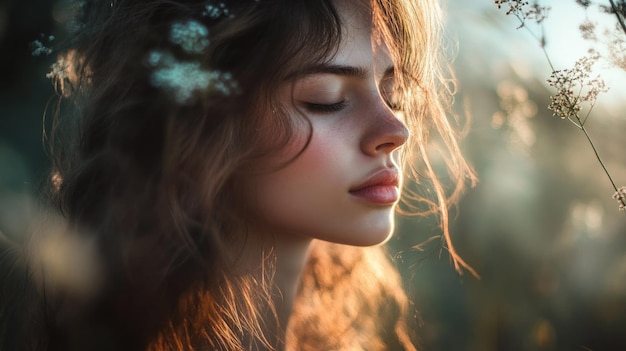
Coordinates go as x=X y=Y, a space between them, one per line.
x=326 y=108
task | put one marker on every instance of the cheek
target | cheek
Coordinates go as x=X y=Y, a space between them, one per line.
x=301 y=175
x=281 y=142
x=296 y=190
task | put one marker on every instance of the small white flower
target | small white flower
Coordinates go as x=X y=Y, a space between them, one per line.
x=40 y=49
x=620 y=196
x=38 y=46
x=216 y=11
x=191 y=36
x=58 y=70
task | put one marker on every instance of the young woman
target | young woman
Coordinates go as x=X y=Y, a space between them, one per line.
x=230 y=173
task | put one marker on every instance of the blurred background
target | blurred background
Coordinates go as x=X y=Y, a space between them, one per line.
x=540 y=228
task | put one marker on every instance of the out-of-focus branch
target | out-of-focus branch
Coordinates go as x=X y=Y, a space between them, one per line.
x=619 y=18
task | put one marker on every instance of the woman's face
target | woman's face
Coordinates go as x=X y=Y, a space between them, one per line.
x=345 y=185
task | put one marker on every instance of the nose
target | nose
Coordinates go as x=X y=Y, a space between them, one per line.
x=385 y=132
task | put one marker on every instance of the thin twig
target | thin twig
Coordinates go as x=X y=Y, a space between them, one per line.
x=574 y=122
x=620 y=199
x=584 y=120
x=598 y=157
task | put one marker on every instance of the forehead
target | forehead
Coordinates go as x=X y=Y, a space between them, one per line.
x=357 y=47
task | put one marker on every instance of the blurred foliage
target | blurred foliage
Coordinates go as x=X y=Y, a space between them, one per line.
x=540 y=228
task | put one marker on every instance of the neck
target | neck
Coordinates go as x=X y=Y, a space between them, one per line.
x=291 y=257
x=291 y=253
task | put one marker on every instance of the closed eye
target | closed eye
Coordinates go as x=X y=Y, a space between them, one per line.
x=325 y=108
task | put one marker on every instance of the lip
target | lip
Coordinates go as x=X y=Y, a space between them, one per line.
x=380 y=188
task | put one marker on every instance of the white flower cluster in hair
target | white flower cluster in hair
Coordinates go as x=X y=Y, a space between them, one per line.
x=191 y=36
x=225 y=83
x=570 y=85
x=183 y=79
x=620 y=196
x=40 y=49
x=216 y=11
x=58 y=70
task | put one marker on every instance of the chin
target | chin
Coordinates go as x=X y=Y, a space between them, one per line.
x=376 y=231
x=369 y=236
x=374 y=239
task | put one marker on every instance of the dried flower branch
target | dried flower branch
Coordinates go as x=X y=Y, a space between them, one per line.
x=612 y=39
x=573 y=86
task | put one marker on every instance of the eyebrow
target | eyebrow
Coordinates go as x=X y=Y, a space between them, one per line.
x=341 y=70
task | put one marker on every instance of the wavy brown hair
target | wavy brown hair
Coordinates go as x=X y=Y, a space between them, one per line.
x=150 y=179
